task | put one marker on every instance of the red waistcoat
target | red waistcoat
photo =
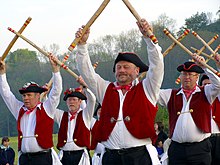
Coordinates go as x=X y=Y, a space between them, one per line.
x=216 y=111
x=94 y=131
x=43 y=129
x=200 y=106
x=138 y=113
x=81 y=135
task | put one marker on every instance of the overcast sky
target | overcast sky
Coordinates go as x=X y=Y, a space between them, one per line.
x=56 y=21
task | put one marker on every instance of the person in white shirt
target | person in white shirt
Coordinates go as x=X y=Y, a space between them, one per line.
x=74 y=126
x=189 y=110
x=128 y=106
x=34 y=119
x=215 y=119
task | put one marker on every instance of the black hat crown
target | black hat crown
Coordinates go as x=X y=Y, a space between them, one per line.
x=32 y=87
x=133 y=58
x=74 y=92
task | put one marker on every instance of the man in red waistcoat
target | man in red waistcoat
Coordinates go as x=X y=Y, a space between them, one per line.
x=128 y=106
x=189 y=115
x=215 y=122
x=34 y=119
x=74 y=126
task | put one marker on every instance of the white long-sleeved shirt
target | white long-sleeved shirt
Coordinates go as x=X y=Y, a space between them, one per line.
x=120 y=137
x=87 y=114
x=28 y=122
x=185 y=129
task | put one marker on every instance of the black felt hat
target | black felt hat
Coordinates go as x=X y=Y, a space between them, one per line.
x=190 y=67
x=204 y=77
x=32 y=87
x=77 y=92
x=133 y=58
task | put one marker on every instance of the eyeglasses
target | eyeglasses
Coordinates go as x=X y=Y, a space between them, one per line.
x=29 y=83
x=185 y=74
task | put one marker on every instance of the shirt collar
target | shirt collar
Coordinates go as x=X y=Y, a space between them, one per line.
x=196 y=90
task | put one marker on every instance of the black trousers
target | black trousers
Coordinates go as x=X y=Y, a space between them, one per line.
x=130 y=156
x=215 y=141
x=71 y=157
x=197 y=153
x=38 y=158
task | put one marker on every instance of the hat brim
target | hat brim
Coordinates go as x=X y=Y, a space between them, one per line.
x=75 y=94
x=190 y=67
x=35 y=89
x=133 y=58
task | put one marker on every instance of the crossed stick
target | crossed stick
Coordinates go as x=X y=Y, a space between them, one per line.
x=205 y=44
x=89 y=23
x=185 y=33
x=209 y=57
x=136 y=15
x=15 y=38
x=199 y=52
x=189 y=52
x=61 y=64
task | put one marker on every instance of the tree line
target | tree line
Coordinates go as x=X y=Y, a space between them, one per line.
x=24 y=65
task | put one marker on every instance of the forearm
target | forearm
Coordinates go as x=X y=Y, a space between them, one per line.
x=212 y=90
x=54 y=96
x=90 y=107
x=95 y=83
x=154 y=76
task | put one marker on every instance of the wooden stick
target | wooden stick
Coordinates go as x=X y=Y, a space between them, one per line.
x=198 y=37
x=44 y=53
x=204 y=54
x=209 y=43
x=136 y=15
x=189 y=52
x=185 y=33
x=216 y=51
x=15 y=38
x=199 y=52
x=89 y=23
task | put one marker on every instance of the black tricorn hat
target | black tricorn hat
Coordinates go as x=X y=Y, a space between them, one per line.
x=71 y=92
x=133 y=58
x=32 y=87
x=204 y=77
x=190 y=67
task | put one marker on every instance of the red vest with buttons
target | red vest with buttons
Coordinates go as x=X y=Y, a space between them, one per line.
x=216 y=112
x=138 y=113
x=81 y=135
x=199 y=105
x=94 y=132
x=43 y=129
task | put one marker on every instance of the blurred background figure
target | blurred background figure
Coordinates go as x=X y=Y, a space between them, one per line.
x=7 y=154
x=161 y=137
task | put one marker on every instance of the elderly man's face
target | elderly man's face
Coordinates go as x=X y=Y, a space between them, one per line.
x=126 y=72
x=189 y=79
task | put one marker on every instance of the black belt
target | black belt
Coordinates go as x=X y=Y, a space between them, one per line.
x=126 y=150
x=215 y=134
x=37 y=153
x=73 y=152
x=189 y=143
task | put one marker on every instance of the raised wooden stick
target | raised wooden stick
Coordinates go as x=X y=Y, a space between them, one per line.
x=136 y=15
x=199 y=52
x=44 y=53
x=15 y=38
x=197 y=36
x=89 y=23
x=204 y=54
x=189 y=52
x=185 y=33
x=216 y=51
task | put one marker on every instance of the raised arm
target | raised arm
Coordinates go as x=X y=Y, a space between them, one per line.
x=97 y=84
x=10 y=100
x=54 y=96
x=152 y=82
